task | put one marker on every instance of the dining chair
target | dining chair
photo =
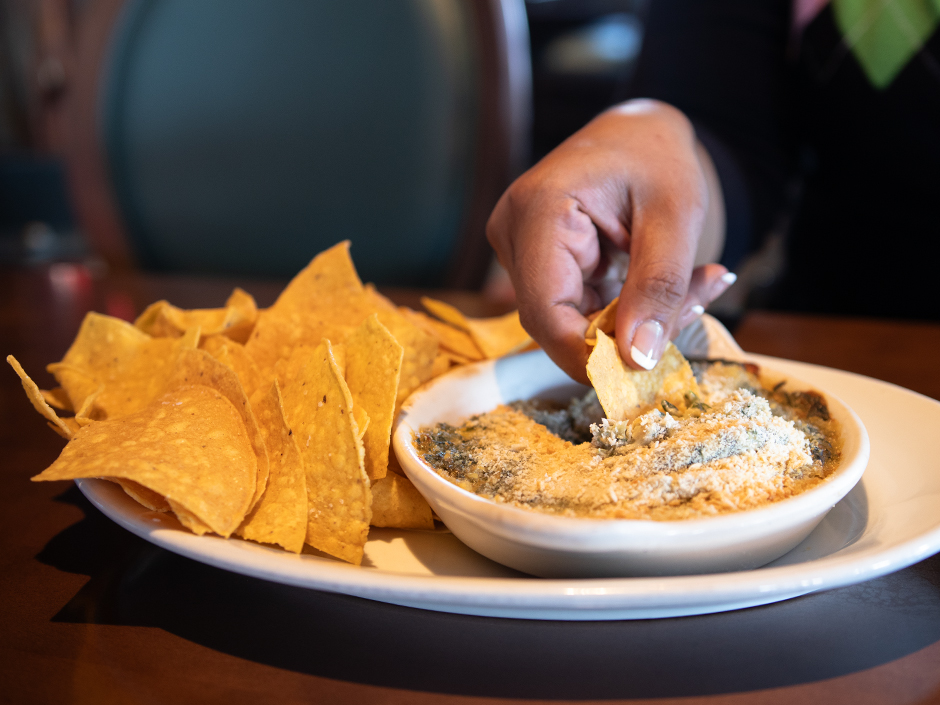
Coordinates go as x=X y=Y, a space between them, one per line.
x=238 y=137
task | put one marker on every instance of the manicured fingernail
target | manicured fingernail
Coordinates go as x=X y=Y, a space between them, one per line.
x=729 y=278
x=646 y=344
x=698 y=309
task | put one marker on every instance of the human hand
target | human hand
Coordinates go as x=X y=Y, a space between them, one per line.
x=628 y=182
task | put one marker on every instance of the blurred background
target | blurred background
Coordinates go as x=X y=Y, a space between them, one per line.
x=230 y=137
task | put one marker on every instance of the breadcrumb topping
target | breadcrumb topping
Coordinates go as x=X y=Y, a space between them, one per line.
x=740 y=447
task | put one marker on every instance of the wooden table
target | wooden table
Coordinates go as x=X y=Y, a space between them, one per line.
x=91 y=614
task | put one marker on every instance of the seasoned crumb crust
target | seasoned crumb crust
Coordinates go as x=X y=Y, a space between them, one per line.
x=741 y=446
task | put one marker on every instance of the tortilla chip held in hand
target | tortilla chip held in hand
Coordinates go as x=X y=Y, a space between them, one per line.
x=625 y=393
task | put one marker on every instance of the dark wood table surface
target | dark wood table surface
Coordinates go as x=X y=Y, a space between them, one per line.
x=89 y=613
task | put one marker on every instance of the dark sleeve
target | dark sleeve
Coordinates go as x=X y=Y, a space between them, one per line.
x=723 y=63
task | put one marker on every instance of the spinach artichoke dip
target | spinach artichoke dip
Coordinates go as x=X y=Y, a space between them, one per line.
x=727 y=443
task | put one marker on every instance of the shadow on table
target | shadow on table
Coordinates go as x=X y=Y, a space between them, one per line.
x=335 y=636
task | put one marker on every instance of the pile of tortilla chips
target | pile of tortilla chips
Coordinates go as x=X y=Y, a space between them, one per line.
x=273 y=425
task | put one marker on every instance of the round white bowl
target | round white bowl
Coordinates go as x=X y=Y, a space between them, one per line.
x=556 y=547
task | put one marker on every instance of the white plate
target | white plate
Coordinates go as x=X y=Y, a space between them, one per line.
x=889 y=521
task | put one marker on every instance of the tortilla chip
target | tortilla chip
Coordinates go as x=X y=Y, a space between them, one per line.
x=318 y=408
x=73 y=425
x=604 y=320
x=339 y=357
x=328 y=301
x=83 y=416
x=449 y=337
x=331 y=272
x=362 y=421
x=154 y=320
x=39 y=403
x=288 y=369
x=420 y=346
x=189 y=445
x=446 y=312
x=78 y=384
x=501 y=336
x=325 y=300
x=373 y=368
x=57 y=398
x=625 y=393
x=150 y=499
x=495 y=337
x=456 y=359
x=441 y=365
x=281 y=515
x=397 y=504
x=233 y=356
x=131 y=367
x=199 y=367
x=164 y=320
x=394 y=466
x=278 y=332
x=243 y=317
x=188 y=519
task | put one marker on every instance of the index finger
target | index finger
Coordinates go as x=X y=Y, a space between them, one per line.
x=552 y=257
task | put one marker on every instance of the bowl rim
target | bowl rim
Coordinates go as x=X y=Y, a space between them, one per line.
x=591 y=534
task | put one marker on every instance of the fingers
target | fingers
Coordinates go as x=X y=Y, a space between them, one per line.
x=550 y=254
x=563 y=339
x=662 y=253
x=708 y=283
x=607 y=280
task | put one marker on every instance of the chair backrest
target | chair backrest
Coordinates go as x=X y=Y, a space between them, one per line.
x=244 y=136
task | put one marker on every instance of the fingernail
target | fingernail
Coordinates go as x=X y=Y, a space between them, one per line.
x=698 y=309
x=729 y=278
x=646 y=344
